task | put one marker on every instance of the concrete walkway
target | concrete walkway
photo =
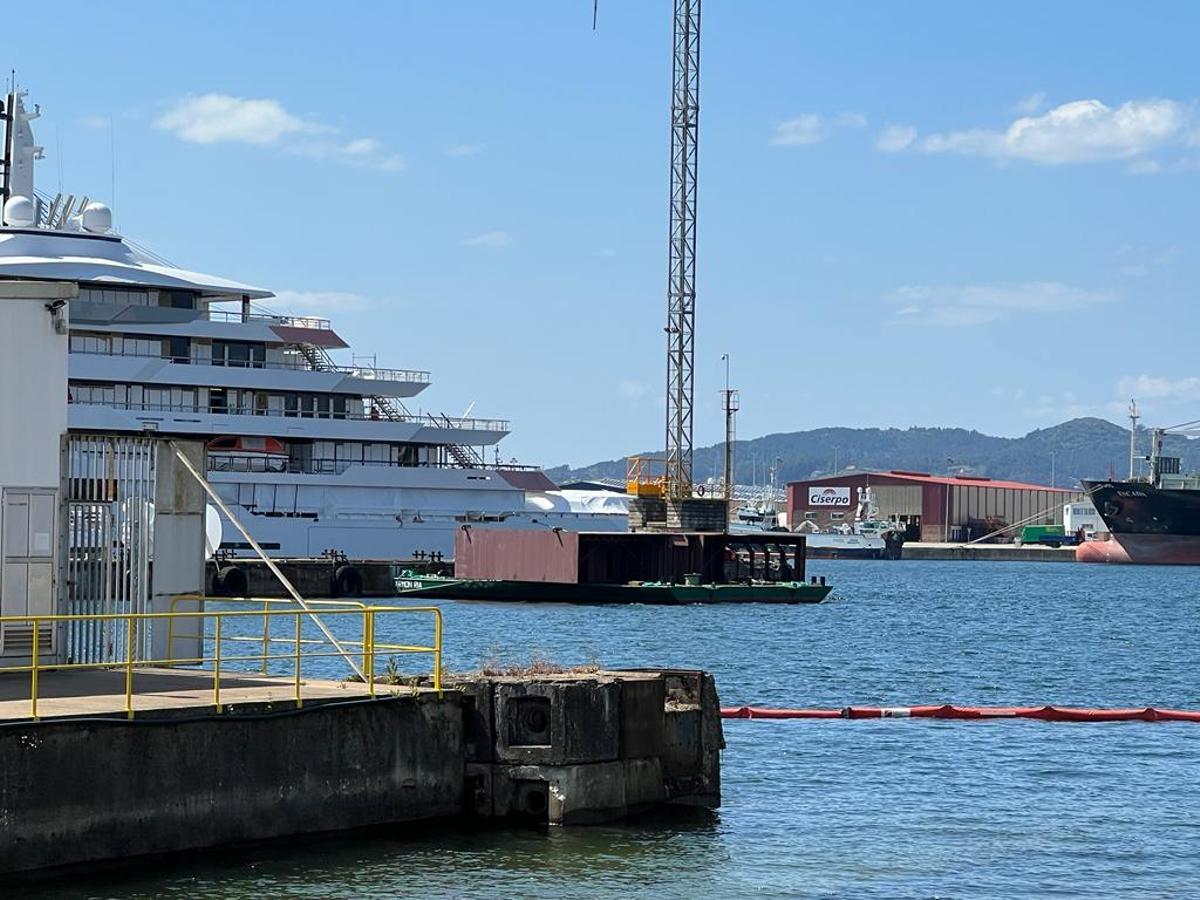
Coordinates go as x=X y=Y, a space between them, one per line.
x=101 y=692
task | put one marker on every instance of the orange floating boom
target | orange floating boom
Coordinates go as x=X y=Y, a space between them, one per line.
x=948 y=711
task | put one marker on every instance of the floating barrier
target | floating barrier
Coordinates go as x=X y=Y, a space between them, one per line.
x=948 y=711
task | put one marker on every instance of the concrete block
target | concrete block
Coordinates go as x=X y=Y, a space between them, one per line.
x=683 y=743
x=644 y=784
x=479 y=790
x=713 y=735
x=556 y=722
x=479 y=728
x=643 y=696
x=582 y=794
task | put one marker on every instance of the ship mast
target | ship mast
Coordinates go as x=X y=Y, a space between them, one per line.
x=1133 y=420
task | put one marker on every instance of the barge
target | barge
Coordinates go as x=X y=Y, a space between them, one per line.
x=558 y=566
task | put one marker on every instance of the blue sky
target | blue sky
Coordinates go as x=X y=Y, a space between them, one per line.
x=910 y=214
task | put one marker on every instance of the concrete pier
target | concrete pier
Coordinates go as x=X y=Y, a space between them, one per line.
x=561 y=749
x=1010 y=552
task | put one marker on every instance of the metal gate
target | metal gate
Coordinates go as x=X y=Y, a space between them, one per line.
x=109 y=493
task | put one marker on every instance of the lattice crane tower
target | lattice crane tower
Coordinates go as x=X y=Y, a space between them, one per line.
x=681 y=281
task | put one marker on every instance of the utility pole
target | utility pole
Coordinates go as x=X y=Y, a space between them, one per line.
x=730 y=397
x=1133 y=420
x=681 y=280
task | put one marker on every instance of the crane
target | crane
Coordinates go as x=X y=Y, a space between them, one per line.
x=681 y=277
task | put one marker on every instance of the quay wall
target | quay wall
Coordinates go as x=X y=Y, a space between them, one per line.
x=553 y=749
x=76 y=791
x=1011 y=552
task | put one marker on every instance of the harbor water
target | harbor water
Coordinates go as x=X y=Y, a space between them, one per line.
x=891 y=808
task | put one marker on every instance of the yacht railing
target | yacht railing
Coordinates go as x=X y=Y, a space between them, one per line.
x=366 y=373
x=316 y=322
x=445 y=422
x=281 y=466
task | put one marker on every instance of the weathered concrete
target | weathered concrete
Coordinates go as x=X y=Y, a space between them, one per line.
x=557 y=722
x=562 y=749
x=74 y=792
x=583 y=749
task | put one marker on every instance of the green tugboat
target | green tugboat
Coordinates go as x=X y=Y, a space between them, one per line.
x=411 y=585
x=676 y=568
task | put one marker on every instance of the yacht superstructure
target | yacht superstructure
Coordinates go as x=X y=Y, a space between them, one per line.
x=309 y=454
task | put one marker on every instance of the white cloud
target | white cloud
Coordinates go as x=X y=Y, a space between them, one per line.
x=811 y=128
x=219 y=118
x=632 y=389
x=1153 y=387
x=895 y=138
x=489 y=239
x=466 y=149
x=1075 y=132
x=1031 y=105
x=322 y=302
x=978 y=304
x=1138 y=262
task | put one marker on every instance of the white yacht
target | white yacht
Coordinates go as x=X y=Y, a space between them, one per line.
x=311 y=456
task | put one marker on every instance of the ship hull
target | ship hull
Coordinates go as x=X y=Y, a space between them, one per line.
x=1143 y=549
x=1146 y=525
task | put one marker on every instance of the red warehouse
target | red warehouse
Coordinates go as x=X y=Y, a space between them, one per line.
x=932 y=507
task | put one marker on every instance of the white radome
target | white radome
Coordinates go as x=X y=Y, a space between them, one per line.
x=96 y=218
x=18 y=212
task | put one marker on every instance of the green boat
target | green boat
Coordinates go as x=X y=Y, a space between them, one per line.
x=412 y=585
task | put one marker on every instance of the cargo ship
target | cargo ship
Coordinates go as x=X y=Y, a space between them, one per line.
x=1155 y=521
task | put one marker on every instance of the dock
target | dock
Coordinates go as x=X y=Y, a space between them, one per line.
x=179 y=759
x=1009 y=552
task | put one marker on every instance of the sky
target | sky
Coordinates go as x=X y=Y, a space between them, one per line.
x=973 y=215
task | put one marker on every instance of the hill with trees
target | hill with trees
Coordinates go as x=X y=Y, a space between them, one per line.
x=1064 y=453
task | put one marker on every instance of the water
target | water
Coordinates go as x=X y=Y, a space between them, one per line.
x=892 y=808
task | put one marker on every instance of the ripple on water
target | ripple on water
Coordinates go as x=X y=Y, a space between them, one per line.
x=893 y=808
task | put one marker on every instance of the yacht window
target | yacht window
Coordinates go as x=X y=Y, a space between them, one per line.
x=177 y=299
x=291 y=405
x=810 y=517
x=237 y=355
x=306 y=406
x=837 y=516
x=180 y=349
x=323 y=406
x=339 y=407
x=261 y=403
x=90 y=343
x=217 y=400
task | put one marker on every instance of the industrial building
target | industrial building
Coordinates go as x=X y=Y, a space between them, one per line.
x=933 y=507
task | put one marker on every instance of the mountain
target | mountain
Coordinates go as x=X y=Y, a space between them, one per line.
x=1079 y=448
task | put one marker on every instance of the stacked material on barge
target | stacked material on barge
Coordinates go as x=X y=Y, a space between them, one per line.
x=647 y=567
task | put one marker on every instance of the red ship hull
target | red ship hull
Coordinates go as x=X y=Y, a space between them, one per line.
x=1144 y=549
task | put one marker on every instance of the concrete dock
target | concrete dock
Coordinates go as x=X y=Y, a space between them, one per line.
x=1010 y=552
x=85 y=783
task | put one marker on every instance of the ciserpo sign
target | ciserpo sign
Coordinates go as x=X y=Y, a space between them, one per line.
x=829 y=496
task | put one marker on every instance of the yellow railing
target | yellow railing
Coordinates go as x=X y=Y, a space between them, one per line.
x=361 y=651
x=641 y=477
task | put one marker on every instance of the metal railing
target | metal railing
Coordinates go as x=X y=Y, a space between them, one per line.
x=428 y=421
x=645 y=476
x=366 y=373
x=284 y=650
x=315 y=322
